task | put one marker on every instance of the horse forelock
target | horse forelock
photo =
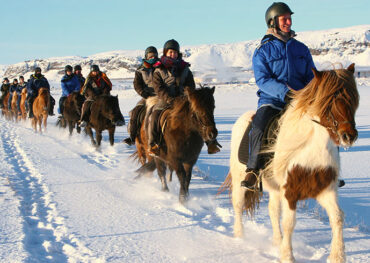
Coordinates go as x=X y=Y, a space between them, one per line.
x=319 y=96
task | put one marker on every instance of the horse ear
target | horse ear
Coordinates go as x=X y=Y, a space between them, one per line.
x=316 y=73
x=351 y=68
x=213 y=89
x=117 y=96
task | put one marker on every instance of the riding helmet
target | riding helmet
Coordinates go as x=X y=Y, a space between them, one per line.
x=94 y=68
x=275 y=10
x=37 y=69
x=68 y=68
x=5 y=79
x=77 y=67
x=171 y=44
x=150 y=49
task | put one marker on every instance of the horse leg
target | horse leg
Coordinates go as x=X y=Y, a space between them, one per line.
x=161 y=169
x=45 y=119
x=188 y=170
x=111 y=135
x=288 y=223
x=274 y=212
x=90 y=133
x=98 y=135
x=237 y=196
x=328 y=199
x=180 y=171
x=40 y=123
x=78 y=128
x=70 y=127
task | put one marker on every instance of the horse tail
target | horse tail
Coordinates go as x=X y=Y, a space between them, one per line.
x=146 y=168
x=226 y=185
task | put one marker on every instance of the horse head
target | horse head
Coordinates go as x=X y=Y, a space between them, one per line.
x=334 y=98
x=111 y=110
x=202 y=105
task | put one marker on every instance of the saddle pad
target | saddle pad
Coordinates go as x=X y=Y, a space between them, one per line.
x=243 y=153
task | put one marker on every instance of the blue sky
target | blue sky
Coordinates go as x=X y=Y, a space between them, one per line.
x=47 y=28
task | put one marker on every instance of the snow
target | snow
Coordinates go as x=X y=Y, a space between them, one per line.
x=63 y=201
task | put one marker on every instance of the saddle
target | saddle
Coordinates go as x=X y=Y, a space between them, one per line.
x=269 y=137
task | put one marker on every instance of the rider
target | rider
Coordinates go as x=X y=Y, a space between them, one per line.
x=4 y=91
x=96 y=84
x=170 y=77
x=143 y=84
x=280 y=63
x=77 y=70
x=21 y=85
x=69 y=83
x=12 y=88
x=36 y=82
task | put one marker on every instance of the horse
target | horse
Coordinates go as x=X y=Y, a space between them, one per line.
x=72 y=111
x=105 y=115
x=13 y=107
x=41 y=108
x=185 y=126
x=305 y=162
x=5 y=111
x=23 y=104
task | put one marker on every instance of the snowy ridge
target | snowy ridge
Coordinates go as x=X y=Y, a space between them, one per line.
x=216 y=62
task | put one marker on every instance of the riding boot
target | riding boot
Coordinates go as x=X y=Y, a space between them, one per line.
x=134 y=125
x=51 y=108
x=30 y=104
x=154 y=133
x=213 y=146
x=85 y=112
x=251 y=180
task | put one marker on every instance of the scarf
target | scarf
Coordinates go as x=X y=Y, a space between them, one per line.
x=175 y=66
x=148 y=63
x=280 y=34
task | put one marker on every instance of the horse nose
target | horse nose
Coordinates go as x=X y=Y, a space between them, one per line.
x=349 y=138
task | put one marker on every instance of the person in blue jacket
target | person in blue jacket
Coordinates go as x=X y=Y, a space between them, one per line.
x=12 y=88
x=280 y=63
x=36 y=82
x=77 y=70
x=69 y=83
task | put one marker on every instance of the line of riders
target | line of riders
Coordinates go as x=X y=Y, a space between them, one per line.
x=164 y=77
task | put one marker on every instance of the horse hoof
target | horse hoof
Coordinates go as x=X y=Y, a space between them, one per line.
x=183 y=199
x=165 y=189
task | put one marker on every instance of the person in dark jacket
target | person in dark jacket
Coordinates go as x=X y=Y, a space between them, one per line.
x=69 y=84
x=97 y=83
x=280 y=63
x=12 y=88
x=143 y=84
x=170 y=76
x=4 y=91
x=36 y=82
x=77 y=70
x=21 y=85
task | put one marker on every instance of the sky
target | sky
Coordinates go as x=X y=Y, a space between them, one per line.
x=52 y=28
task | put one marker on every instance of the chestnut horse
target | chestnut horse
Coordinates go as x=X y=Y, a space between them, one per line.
x=5 y=111
x=187 y=124
x=306 y=157
x=41 y=108
x=13 y=106
x=23 y=104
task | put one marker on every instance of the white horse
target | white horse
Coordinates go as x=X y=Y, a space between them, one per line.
x=306 y=158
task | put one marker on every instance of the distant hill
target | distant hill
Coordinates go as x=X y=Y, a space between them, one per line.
x=216 y=62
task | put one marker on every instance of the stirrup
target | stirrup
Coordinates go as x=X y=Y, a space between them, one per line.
x=154 y=150
x=252 y=187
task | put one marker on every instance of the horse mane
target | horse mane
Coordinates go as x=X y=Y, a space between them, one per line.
x=318 y=96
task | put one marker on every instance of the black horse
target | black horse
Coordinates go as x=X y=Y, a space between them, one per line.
x=105 y=115
x=72 y=111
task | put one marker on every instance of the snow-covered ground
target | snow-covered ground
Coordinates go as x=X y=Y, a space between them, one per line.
x=63 y=201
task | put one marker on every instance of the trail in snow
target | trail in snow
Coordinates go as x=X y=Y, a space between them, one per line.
x=72 y=203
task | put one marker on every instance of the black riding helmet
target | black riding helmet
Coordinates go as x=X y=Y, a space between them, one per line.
x=15 y=80
x=37 y=69
x=6 y=79
x=150 y=49
x=68 y=68
x=275 y=10
x=94 y=68
x=77 y=67
x=171 y=44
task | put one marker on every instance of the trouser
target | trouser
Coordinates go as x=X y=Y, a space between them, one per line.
x=61 y=104
x=10 y=100
x=259 y=123
x=85 y=111
x=154 y=130
x=30 y=100
x=135 y=122
x=19 y=103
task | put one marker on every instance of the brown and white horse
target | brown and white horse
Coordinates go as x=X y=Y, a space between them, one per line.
x=306 y=158
x=41 y=109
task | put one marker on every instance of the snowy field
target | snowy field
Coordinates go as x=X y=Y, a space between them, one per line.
x=63 y=201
